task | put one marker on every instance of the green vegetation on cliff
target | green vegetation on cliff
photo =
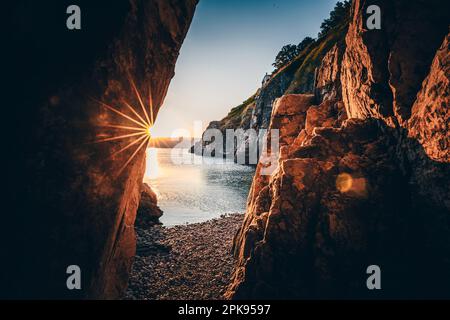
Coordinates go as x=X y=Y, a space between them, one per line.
x=236 y=111
x=312 y=56
x=239 y=117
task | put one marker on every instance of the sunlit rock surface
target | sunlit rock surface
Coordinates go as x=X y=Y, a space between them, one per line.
x=430 y=119
x=372 y=189
x=328 y=75
x=71 y=203
x=383 y=69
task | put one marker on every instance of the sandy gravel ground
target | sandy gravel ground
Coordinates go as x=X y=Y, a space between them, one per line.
x=184 y=262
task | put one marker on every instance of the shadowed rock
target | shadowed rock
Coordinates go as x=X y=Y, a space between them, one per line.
x=148 y=212
x=352 y=193
x=72 y=205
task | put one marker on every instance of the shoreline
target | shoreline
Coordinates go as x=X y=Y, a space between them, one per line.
x=184 y=262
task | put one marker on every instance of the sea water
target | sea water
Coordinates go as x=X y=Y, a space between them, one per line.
x=192 y=188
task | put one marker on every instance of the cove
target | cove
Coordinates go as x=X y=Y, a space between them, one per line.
x=196 y=192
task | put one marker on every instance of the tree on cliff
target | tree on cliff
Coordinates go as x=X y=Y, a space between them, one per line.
x=339 y=13
x=290 y=51
x=286 y=55
x=304 y=43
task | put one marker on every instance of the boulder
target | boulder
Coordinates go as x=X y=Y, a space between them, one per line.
x=148 y=212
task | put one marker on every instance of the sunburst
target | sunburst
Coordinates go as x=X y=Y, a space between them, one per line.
x=136 y=126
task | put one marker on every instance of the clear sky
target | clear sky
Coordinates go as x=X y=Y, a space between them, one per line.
x=231 y=44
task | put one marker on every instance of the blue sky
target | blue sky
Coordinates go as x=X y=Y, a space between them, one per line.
x=231 y=44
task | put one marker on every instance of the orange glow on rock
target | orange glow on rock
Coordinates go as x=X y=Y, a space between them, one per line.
x=139 y=124
x=346 y=183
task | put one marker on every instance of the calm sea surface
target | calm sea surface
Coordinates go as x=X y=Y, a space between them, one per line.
x=193 y=189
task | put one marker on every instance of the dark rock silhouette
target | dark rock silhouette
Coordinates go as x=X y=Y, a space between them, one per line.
x=148 y=213
x=69 y=206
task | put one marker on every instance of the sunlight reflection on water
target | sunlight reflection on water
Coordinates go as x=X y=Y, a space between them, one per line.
x=196 y=192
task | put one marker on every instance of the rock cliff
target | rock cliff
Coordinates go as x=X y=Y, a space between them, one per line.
x=296 y=77
x=70 y=202
x=363 y=170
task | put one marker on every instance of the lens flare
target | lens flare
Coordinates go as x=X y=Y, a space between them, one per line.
x=139 y=124
x=344 y=182
x=355 y=185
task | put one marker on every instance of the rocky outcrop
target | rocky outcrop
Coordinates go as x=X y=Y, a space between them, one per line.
x=72 y=202
x=289 y=116
x=307 y=236
x=328 y=75
x=369 y=190
x=265 y=98
x=148 y=212
x=383 y=69
x=238 y=117
x=429 y=122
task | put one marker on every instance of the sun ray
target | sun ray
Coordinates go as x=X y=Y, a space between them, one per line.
x=150 y=104
x=142 y=134
x=133 y=155
x=122 y=114
x=140 y=99
x=122 y=127
x=120 y=137
x=129 y=145
x=134 y=111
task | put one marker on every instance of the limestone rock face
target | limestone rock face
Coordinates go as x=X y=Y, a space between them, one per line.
x=382 y=70
x=430 y=119
x=76 y=205
x=289 y=115
x=425 y=150
x=368 y=190
x=330 y=113
x=328 y=78
x=266 y=97
x=316 y=222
